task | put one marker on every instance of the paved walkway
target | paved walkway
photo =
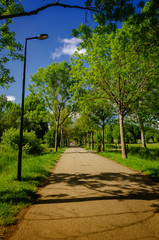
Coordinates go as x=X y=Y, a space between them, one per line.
x=90 y=197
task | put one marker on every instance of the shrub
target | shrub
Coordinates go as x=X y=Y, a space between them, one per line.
x=129 y=138
x=141 y=152
x=31 y=144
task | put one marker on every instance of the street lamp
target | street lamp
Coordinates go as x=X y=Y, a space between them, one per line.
x=40 y=37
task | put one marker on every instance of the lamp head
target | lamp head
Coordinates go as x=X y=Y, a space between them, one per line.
x=42 y=36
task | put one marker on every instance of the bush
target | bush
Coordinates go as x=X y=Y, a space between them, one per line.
x=31 y=144
x=156 y=137
x=149 y=135
x=129 y=138
x=141 y=152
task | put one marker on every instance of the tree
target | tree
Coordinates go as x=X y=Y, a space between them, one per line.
x=100 y=114
x=11 y=116
x=103 y=12
x=35 y=115
x=119 y=69
x=79 y=130
x=52 y=85
x=65 y=132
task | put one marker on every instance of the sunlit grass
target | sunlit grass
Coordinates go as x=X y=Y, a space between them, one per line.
x=145 y=160
x=15 y=195
x=139 y=159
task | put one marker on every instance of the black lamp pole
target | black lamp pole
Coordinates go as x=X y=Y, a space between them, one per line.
x=40 y=37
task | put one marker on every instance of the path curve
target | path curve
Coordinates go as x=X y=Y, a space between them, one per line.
x=90 y=197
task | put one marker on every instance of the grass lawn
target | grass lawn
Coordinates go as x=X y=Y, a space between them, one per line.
x=15 y=195
x=139 y=159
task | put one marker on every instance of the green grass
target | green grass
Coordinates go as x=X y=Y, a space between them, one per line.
x=15 y=195
x=139 y=159
x=145 y=160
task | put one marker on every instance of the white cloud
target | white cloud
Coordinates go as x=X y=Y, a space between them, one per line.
x=11 y=98
x=69 y=46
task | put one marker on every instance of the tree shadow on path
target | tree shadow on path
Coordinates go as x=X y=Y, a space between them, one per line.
x=101 y=186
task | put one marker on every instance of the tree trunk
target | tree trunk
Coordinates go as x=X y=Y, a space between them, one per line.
x=122 y=137
x=103 y=136
x=88 y=139
x=56 y=136
x=61 y=138
x=92 y=142
x=142 y=134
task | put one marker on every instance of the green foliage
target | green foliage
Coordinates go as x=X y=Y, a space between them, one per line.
x=98 y=137
x=3 y=103
x=11 y=117
x=35 y=115
x=8 y=43
x=108 y=133
x=53 y=86
x=49 y=138
x=152 y=135
x=120 y=68
x=156 y=137
x=139 y=159
x=129 y=138
x=116 y=133
x=9 y=114
x=148 y=153
x=31 y=144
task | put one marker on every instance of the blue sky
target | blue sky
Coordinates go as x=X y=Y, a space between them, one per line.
x=57 y=22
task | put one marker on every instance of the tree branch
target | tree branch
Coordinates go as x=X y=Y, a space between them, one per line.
x=36 y=11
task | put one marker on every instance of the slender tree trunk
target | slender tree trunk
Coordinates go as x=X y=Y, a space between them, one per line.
x=92 y=142
x=122 y=137
x=56 y=136
x=103 y=136
x=88 y=139
x=61 y=138
x=142 y=134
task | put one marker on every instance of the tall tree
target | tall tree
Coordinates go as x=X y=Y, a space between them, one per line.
x=118 y=70
x=53 y=84
x=102 y=115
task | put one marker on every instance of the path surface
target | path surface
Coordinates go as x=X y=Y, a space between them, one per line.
x=90 y=197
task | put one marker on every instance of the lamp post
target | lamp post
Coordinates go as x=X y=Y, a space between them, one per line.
x=40 y=37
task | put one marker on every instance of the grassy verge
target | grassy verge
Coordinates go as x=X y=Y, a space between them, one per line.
x=145 y=161
x=15 y=195
x=139 y=159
